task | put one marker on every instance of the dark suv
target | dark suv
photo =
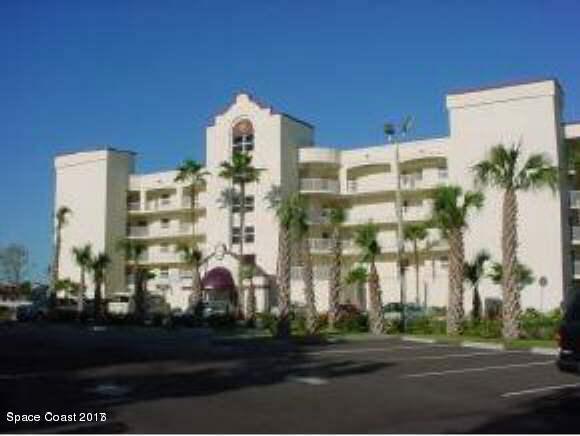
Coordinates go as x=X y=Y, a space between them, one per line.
x=569 y=339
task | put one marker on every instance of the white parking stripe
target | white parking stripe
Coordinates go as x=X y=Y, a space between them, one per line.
x=370 y=350
x=479 y=369
x=537 y=390
x=459 y=355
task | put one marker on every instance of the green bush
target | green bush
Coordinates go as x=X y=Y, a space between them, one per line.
x=356 y=323
x=5 y=313
x=486 y=328
x=428 y=325
x=536 y=325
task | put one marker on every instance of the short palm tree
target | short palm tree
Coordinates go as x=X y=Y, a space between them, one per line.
x=133 y=250
x=451 y=208
x=337 y=218
x=358 y=277
x=99 y=267
x=192 y=257
x=241 y=172
x=473 y=272
x=284 y=208
x=61 y=217
x=504 y=168
x=301 y=231
x=415 y=233
x=524 y=276
x=366 y=240
x=83 y=257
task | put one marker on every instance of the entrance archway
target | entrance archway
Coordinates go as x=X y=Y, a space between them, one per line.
x=218 y=284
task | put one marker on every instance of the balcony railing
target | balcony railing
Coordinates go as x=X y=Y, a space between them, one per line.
x=134 y=205
x=320 y=185
x=575 y=199
x=576 y=234
x=320 y=272
x=577 y=268
x=138 y=232
x=325 y=244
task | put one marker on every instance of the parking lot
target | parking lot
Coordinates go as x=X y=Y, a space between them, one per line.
x=199 y=382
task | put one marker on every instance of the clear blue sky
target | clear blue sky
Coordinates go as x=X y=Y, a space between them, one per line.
x=148 y=75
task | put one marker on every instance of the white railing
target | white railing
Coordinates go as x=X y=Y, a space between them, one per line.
x=351 y=186
x=138 y=232
x=320 y=185
x=575 y=199
x=576 y=233
x=134 y=205
x=325 y=244
x=185 y=229
x=577 y=268
x=319 y=272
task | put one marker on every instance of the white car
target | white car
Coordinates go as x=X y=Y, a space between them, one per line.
x=121 y=304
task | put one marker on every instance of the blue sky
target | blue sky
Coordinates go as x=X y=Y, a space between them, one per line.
x=148 y=75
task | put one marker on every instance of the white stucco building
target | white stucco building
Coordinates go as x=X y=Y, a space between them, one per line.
x=110 y=201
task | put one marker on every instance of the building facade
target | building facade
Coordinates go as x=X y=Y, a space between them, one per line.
x=111 y=202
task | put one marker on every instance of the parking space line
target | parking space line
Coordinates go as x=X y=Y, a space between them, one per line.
x=460 y=355
x=478 y=369
x=370 y=350
x=537 y=390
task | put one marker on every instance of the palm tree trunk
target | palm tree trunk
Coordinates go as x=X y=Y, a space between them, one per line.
x=195 y=286
x=241 y=248
x=251 y=304
x=417 y=287
x=139 y=295
x=81 y=295
x=377 y=324
x=55 y=265
x=98 y=300
x=476 y=304
x=511 y=304
x=308 y=279
x=335 y=276
x=283 y=328
x=455 y=310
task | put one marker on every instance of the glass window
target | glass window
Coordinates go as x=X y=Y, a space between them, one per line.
x=164 y=273
x=249 y=234
x=164 y=248
x=165 y=223
x=249 y=204
x=243 y=137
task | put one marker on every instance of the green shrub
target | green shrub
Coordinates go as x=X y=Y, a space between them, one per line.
x=356 y=323
x=536 y=325
x=428 y=325
x=5 y=313
x=486 y=328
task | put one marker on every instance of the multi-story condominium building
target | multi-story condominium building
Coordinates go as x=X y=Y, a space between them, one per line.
x=110 y=201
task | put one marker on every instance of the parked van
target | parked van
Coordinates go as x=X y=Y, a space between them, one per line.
x=121 y=304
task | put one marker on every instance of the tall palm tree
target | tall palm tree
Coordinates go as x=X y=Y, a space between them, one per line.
x=337 y=218
x=61 y=216
x=83 y=256
x=133 y=250
x=283 y=206
x=451 y=208
x=366 y=240
x=301 y=231
x=415 y=233
x=192 y=256
x=240 y=171
x=504 y=168
x=249 y=274
x=99 y=266
x=473 y=272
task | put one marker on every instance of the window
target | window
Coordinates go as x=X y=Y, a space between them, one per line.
x=165 y=223
x=142 y=223
x=164 y=248
x=165 y=199
x=249 y=204
x=164 y=273
x=243 y=137
x=248 y=235
x=442 y=172
x=444 y=262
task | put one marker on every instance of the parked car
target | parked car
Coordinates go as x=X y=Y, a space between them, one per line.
x=65 y=309
x=217 y=308
x=157 y=310
x=393 y=311
x=121 y=304
x=569 y=339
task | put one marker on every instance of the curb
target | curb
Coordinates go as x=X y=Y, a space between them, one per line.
x=544 y=351
x=482 y=345
x=419 y=340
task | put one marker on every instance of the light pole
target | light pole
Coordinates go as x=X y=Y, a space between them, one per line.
x=392 y=133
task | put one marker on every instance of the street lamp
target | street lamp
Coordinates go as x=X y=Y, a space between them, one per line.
x=394 y=135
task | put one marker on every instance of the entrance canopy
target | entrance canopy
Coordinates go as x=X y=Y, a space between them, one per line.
x=218 y=279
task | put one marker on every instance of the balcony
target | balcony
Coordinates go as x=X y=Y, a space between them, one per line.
x=428 y=179
x=313 y=155
x=321 y=272
x=575 y=199
x=576 y=235
x=577 y=269
x=324 y=245
x=329 y=186
x=134 y=206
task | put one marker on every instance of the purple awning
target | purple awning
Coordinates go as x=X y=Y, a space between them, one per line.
x=218 y=278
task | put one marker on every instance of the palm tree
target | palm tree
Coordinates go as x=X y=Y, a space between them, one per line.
x=249 y=274
x=99 y=266
x=301 y=230
x=357 y=276
x=337 y=218
x=505 y=169
x=366 y=240
x=451 y=208
x=83 y=257
x=133 y=251
x=284 y=209
x=61 y=220
x=524 y=276
x=241 y=172
x=473 y=272
x=415 y=233
x=192 y=256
